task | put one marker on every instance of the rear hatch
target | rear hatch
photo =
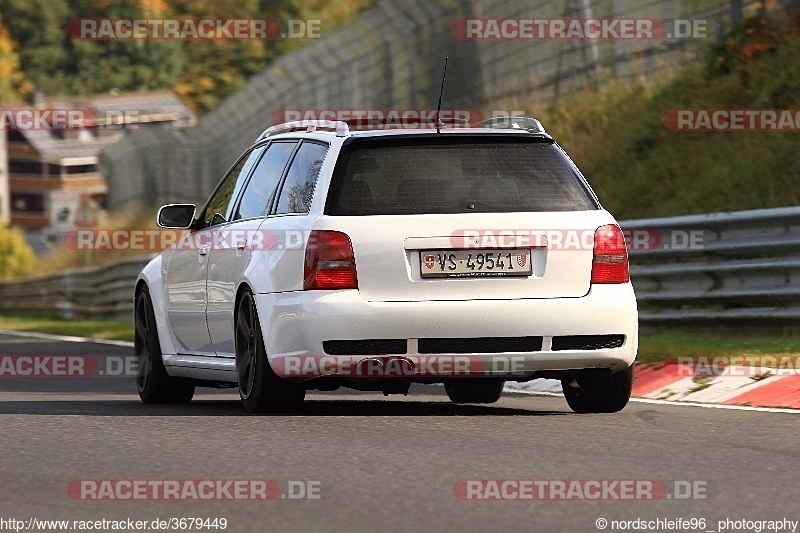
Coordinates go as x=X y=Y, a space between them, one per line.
x=464 y=217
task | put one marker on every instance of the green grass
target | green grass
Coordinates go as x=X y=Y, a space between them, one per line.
x=677 y=343
x=95 y=329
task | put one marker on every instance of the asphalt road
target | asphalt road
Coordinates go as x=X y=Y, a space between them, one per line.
x=383 y=464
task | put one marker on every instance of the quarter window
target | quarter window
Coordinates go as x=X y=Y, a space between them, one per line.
x=298 y=189
x=260 y=190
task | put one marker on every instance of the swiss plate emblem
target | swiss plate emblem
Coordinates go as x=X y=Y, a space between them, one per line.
x=522 y=260
x=430 y=261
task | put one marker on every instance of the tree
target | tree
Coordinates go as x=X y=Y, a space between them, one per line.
x=12 y=82
x=57 y=63
x=16 y=257
x=219 y=68
x=202 y=72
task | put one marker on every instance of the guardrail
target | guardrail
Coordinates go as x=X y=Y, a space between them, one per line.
x=99 y=292
x=732 y=267
x=717 y=268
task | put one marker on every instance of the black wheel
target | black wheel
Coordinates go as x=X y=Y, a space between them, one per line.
x=599 y=391
x=260 y=389
x=474 y=391
x=152 y=380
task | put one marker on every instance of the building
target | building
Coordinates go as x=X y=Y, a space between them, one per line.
x=52 y=178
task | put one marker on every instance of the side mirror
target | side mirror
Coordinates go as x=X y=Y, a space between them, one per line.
x=176 y=216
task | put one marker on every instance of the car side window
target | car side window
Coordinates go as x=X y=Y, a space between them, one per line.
x=298 y=188
x=219 y=208
x=260 y=190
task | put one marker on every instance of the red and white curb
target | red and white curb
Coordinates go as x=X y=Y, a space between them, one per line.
x=665 y=383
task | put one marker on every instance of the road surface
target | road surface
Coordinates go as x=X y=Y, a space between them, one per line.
x=382 y=464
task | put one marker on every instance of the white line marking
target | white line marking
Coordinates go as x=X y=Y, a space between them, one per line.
x=64 y=338
x=680 y=404
x=719 y=406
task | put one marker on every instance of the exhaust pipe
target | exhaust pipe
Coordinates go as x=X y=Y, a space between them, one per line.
x=385 y=367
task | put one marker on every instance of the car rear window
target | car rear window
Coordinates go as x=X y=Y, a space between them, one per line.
x=433 y=176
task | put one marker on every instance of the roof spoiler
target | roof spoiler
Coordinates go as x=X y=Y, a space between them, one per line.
x=341 y=128
x=514 y=123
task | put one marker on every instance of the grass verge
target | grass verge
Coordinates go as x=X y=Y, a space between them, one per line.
x=677 y=343
x=94 y=329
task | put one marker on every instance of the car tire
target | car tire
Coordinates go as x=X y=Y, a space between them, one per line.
x=155 y=386
x=260 y=389
x=599 y=391
x=474 y=391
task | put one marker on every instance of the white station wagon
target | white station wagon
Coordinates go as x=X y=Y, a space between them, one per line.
x=374 y=259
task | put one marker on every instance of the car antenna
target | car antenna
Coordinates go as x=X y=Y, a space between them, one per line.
x=438 y=122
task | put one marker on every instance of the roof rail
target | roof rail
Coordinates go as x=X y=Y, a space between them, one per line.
x=341 y=128
x=515 y=123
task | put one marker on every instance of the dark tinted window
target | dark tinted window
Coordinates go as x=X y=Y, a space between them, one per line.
x=24 y=167
x=298 y=189
x=81 y=169
x=27 y=202
x=219 y=208
x=449 y=176
x=261 y=188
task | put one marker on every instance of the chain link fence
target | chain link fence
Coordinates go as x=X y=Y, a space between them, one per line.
x=391 y=57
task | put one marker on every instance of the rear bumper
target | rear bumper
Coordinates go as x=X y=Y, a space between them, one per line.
x=296 y=324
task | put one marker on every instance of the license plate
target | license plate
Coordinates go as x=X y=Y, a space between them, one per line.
x=475 y=263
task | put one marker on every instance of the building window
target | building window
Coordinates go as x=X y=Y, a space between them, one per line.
x=27 y=202
x=100 y=200
x=24 y=167
x=16 y=136
x=80 y=169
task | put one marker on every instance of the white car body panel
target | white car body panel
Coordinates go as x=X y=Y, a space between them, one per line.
x=387 y=251
x=185 y=292
x=280 y=268
x=151 y=276
x=227 y=262
x=295 y=324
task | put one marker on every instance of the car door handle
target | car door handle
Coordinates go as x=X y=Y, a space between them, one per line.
x=240 y=246
x=204 y=249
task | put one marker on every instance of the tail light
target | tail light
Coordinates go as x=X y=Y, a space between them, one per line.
x=610 y=263
x=329 y=261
